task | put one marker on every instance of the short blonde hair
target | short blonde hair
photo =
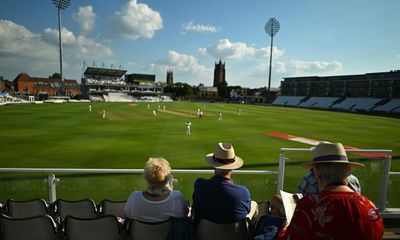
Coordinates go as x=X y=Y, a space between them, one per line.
x=157 y=172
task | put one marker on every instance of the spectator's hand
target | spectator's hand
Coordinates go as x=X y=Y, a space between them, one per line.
x=277 y=209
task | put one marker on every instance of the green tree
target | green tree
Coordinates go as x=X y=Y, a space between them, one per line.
x=55 y=75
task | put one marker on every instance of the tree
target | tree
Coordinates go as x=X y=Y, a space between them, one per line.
x=55 y=75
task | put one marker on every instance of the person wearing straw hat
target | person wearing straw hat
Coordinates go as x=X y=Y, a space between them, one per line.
x=336 y=212
x=309 y=185
x=218 y=199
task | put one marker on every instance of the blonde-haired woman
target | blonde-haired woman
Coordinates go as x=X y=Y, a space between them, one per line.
x=159 y=201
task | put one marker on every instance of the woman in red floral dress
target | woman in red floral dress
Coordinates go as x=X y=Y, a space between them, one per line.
x=336 y=212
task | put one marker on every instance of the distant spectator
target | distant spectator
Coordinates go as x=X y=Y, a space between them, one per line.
x=336 y=212
x=218 y=199
x=159 y=201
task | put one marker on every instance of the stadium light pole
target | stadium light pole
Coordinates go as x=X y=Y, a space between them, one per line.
x=60 y=5
x=271 y=28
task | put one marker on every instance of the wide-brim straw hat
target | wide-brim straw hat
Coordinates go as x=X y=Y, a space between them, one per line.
x=224 y=157
x=326 y=152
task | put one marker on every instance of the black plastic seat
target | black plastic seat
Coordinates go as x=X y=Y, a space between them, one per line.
x=85 y=208
x=207 y=230
x=33 y=228
x=26 y=209
x=137 y=230
x=100 y=228
x=115 y=208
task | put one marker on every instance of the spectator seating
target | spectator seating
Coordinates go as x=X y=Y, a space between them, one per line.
x=85 y=208
x=207 y=230
x=359 y=104
x=287 y=100
x=318 y=102
x=26 y=209
x=392 y=105
x=137 y=230
x=34 y=228
x=119 y=97
x=108 y=207
x=99 y=228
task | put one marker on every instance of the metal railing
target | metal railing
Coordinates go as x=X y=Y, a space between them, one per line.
x=52 y=179
x=386 y=173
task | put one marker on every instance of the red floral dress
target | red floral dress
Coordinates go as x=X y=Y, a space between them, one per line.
x=334 y=215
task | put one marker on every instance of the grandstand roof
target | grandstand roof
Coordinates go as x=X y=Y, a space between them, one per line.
x=104 y=71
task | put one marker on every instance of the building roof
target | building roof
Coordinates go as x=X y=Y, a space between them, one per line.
x=104 y=71
x=208 y=89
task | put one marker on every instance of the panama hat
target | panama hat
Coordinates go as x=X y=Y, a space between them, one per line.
x=326 y=152
x=224 y=157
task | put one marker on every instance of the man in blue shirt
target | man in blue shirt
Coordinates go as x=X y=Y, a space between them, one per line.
x=309 y=185
x=218 y=199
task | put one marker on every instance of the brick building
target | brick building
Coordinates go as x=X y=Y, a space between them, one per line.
x=24 y=84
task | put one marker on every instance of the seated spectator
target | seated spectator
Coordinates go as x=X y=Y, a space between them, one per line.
x=309 y=185
x=336 y=212
x=218 y=199
x=159 y=201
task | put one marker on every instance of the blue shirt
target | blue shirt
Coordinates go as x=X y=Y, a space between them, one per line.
x=219 y=200
x=309 y=184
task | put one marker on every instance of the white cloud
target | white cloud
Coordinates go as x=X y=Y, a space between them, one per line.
x=191 y=26
x=238 y=51
x=186 y=68
x=298 y=67
x=24 y=51
x=86 y=19
x=51 y=36
x=135 y=20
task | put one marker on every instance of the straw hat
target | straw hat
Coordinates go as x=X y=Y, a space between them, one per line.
x=326 y=152
x=224 y=157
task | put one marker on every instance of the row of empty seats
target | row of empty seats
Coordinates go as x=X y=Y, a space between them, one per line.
x=318 y=102
x=83 y=220
x=335 y=103
x=392 y=105
x=363 y=104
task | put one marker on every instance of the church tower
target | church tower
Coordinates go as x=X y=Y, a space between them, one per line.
x=219 y=74
x=170 y=77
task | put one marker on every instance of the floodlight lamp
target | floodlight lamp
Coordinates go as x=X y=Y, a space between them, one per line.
x=272 y=27
x=61 y=4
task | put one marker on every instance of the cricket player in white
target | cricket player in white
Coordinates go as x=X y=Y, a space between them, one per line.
x=187 y=127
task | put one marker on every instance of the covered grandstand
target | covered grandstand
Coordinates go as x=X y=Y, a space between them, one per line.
x=110 y=85
x=370 y=92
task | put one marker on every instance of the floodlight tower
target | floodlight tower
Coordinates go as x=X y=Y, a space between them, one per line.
x=271 y=28
x=61 y=5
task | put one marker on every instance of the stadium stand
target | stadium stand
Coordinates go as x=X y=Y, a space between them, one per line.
x=358 y=104
x=319 y=102
x=392 y=105
x=287 y=100
x=6 y=99
x=118 y=97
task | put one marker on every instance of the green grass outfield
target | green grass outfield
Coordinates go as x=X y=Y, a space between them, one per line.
x=69 y=136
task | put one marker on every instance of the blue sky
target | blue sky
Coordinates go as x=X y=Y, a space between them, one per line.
x=317 y=37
